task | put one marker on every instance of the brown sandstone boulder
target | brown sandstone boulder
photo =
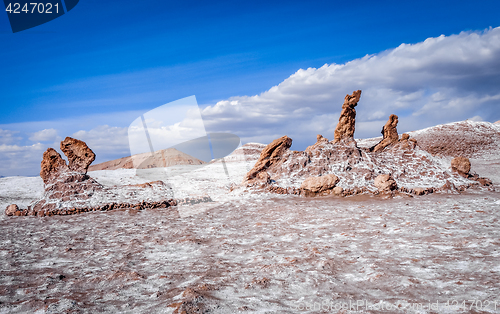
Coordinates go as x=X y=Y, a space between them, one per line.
x=319 y=184
x=11 y=210
x=263 y=177
x=461 y=165
x=419 y=191
x=319 y=140
x=338 y=190
x=385 y=182
x=484 y=181
x=389 y=132
x=345 y=128
x=79 y=155
x=52 y=165
x=270 y=156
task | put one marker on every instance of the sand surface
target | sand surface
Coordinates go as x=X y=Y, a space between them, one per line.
x=253 y=253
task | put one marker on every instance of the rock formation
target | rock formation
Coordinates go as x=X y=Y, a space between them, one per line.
x=319 y=184
x=461 y=165
x=385 y=183
x=340 y=167
x=66 y=182
x=12 y=210
x=270 y=156
x=345 y=128
x=390 y=134
x=79 y=155
x=52 y=166
x=319 y=141
x=337 y=190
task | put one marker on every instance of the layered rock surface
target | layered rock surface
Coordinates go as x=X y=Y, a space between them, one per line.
x=461 y=165
x=347 y=121
x=471 y=139
x=269 y=158
x=389 y=133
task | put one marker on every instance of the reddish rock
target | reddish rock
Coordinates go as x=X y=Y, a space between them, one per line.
x=484 y=181
x=389 y=132
x=270 y=155
x=11 y=210
x=148 y=184
x=79 y=155
x=319 y=184
x=385 y=182
x=263 y=177
x=52 y=165
x=461 y=165
x=345 y=128
x=338 y=190
x=419 y=191
x=319 y=141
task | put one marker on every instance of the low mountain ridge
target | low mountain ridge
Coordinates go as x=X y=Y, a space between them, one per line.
x=471 y=139
x=161 y=158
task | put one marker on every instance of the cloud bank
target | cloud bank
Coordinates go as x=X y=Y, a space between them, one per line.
x=439 y=80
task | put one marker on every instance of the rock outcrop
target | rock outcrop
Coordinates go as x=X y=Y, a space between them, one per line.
x=12 y=210
x=79 y=155
x=346 y=126
x=471 y=139
x=385 y=183
x=65 y=183
x=390 y=134
x=340 y=167
x=461 y=165
x=319 y=141
x=52 y=166
x=270 y=156
x=320 y=184
x=84 y=209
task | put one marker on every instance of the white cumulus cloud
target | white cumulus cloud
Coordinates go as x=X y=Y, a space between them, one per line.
x=46 y=135
x=9 y=137
x=106 y=141
x=21 y=160
x=439 y=80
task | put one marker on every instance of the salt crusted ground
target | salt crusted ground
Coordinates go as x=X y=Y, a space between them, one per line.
x=257 y=253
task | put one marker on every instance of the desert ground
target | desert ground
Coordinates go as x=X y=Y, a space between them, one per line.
x=254 y=252
x=262 y=254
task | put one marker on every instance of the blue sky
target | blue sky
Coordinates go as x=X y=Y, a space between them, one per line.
x=105 y=62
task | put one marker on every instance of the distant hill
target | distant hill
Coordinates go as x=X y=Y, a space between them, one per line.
x=470 y=139
x=161 y=158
